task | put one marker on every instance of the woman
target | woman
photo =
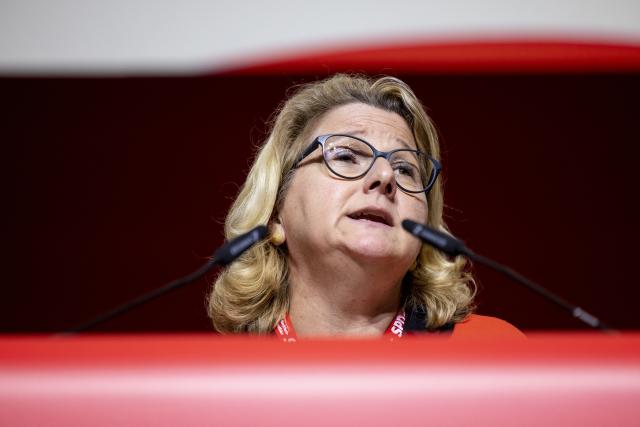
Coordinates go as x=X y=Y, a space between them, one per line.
x=347 y=160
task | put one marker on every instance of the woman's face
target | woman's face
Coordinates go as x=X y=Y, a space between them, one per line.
x=323 y=213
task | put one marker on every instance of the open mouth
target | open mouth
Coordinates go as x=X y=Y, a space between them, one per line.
x=379 y=217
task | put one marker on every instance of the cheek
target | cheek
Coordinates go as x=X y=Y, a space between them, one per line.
x=417 y=210
x=306 y=203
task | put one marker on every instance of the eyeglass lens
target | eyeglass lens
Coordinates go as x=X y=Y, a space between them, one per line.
x=350 y=158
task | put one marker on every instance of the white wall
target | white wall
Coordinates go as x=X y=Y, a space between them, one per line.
x=189 y=36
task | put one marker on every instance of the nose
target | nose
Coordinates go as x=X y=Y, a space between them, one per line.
x=381 y=178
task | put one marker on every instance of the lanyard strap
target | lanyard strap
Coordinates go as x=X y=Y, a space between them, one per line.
x=284 y=328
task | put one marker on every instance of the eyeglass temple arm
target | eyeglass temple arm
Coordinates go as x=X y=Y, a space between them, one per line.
x=310 y=149
x=437 y=168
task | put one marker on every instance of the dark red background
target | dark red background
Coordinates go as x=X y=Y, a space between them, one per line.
x=114 y=186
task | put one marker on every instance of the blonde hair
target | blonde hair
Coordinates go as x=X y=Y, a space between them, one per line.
x=251 y=295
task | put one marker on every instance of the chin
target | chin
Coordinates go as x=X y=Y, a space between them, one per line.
x=374 y=249
x=374 y=242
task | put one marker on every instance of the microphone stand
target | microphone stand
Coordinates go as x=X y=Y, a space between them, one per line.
x=224 y=255
x=454 y=247
x=575 y=311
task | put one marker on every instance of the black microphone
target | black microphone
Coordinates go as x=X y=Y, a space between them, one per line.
x=454 y=247
x=231 y=250
x=439 y=240
x=224 y=255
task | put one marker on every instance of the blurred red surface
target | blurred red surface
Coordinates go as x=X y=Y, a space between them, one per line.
x=193 y=380
x=478 y=55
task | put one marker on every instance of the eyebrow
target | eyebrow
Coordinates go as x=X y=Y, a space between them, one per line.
x=363 y=133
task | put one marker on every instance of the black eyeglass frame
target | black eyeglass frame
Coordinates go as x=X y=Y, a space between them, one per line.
x=320 y=140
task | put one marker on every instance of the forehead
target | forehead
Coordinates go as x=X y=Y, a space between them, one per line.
x=363 y=120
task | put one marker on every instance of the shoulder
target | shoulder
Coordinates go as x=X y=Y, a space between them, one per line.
x=477 y=326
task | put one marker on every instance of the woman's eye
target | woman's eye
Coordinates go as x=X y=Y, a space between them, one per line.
x=347 y=156
x=343 y=154
x=405 y=169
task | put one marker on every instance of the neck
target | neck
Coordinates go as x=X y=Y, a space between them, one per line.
x=352 y=300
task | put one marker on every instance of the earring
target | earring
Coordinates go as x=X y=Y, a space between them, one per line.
x=277 y=235
x=414 y=266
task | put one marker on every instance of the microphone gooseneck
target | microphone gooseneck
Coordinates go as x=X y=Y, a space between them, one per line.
x=454 y=247
x=224 y=255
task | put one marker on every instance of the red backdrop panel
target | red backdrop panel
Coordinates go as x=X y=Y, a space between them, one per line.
x=115 y=186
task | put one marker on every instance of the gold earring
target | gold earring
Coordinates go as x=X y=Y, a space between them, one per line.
x=277 y=235
x=414 y=266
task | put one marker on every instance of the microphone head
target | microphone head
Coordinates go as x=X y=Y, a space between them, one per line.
x=439 y=240
x=231 y=250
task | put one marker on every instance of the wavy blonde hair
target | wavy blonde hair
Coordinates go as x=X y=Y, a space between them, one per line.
x=251 y=295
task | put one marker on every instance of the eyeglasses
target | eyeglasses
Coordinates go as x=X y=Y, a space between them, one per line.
x=351 y=158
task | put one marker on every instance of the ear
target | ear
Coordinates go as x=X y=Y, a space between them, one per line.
x=276 y=231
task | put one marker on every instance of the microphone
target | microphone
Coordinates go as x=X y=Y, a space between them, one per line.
x=439 y=240
x=224 y=255
x=454 y=247
x=231 y=250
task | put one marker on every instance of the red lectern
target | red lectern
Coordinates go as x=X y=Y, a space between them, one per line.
x=207 y=380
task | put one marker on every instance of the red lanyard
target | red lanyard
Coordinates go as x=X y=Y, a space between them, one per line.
x=285 y=332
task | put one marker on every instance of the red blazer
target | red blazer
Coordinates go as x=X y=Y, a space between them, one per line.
x=476 y=326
